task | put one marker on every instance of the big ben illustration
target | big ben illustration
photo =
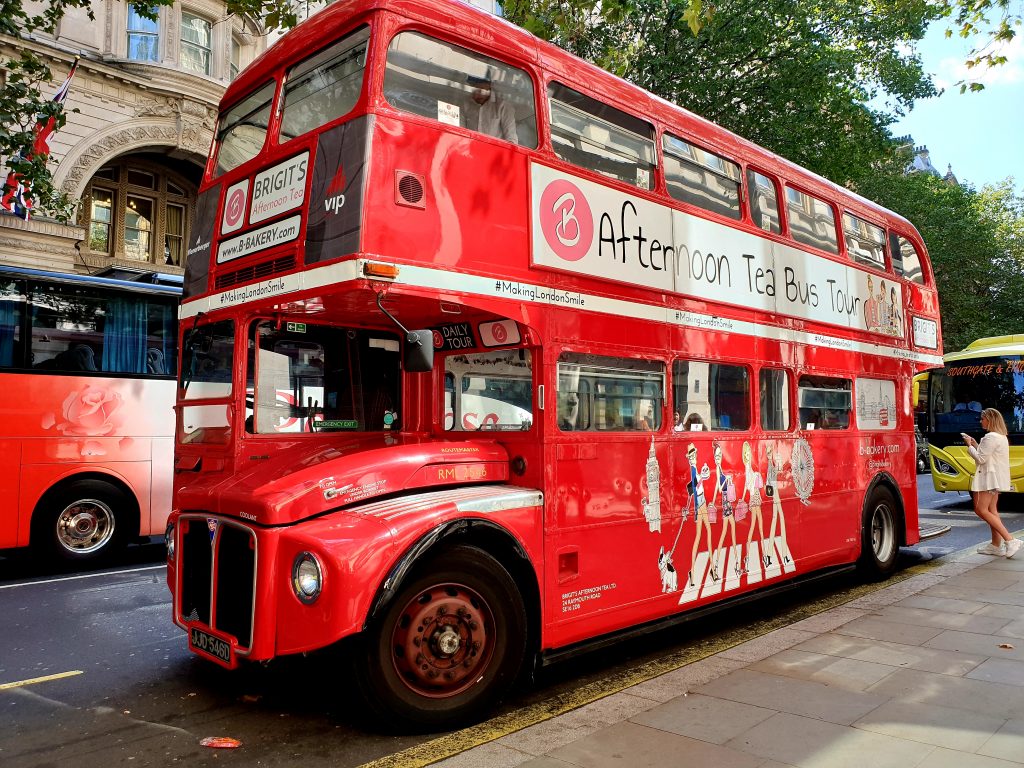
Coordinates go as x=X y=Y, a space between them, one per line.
x=652 y=504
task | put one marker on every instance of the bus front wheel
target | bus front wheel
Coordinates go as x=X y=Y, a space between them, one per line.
x=879 y=535
x=82 y=521
x=448 y=647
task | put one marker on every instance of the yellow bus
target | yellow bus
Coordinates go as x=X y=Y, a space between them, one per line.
x=989 y=373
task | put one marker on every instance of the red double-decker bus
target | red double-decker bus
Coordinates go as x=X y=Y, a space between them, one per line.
x=488 y=356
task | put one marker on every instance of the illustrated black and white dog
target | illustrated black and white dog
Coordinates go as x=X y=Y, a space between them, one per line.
x=669 y=579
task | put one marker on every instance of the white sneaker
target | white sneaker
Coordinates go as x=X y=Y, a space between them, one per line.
x=1012 y=547
x=991 y=549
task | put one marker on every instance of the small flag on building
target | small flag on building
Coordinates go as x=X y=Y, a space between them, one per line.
x=17 y=197
x=15 y=201
x=47 y=124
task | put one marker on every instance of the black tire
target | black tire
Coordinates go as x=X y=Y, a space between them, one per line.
x=880 y=541
x=84 y=521
x=448 y=647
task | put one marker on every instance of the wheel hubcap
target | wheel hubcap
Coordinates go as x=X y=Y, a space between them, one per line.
x=883 y=534
x=442 y=642
x=85 y=526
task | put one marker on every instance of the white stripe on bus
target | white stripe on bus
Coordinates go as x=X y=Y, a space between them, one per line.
x=426 y=277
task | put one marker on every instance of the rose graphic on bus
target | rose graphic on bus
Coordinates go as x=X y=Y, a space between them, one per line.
x=566 y=220
x=89 y=412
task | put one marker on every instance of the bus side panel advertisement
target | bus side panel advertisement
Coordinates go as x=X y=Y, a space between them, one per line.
x=77 y=423
x=276 y=190
x=197 y=262
x=586 y=228
x=82 y=410
x=336 y=194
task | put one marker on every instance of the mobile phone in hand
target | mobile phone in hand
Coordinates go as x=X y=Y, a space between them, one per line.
x=966 y=437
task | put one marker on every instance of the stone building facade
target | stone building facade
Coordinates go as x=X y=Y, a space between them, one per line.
x=132 y=156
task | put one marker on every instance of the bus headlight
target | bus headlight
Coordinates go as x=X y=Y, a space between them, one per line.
x=169 y=542
x=307 y=577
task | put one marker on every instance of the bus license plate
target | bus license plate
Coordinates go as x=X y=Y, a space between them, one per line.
x=216 y=648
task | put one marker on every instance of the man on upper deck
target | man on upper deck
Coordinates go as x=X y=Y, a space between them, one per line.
x=496 y=117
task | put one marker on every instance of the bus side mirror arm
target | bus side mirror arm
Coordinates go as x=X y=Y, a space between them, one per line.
x=418 y=351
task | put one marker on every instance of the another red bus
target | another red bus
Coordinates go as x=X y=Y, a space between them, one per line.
x=87 y=366
x=489 y=356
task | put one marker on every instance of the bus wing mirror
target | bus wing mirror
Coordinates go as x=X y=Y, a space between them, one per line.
x=419 y=352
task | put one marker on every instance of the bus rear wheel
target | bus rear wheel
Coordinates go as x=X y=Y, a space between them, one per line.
x=449 y=646
x=83 y=521
x=879 y=535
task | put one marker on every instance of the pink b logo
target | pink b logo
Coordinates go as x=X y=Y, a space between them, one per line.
x=234 y=208
x=566 y=220
x=500 y=334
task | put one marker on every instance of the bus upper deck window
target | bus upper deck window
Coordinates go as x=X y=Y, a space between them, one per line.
x=325 y=86
x=701 y=178
x=864 y=241
x=456 y=86
x=764 y=202
x=905 y=260
x=243 y=129
x=811 y=221
x=594 y=135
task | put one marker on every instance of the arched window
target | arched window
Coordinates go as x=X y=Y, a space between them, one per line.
x=137 y=210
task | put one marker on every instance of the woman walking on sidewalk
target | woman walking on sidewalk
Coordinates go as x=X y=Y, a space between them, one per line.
x=992 y=456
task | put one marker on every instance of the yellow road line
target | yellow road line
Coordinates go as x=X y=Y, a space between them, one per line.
x=452 y=744
x=44 y=679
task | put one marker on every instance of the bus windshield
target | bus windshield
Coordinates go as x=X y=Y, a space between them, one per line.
x=243 y=129
x=318 y=378
x=959 y=392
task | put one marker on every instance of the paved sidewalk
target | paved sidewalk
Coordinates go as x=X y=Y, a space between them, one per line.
x=924 y=672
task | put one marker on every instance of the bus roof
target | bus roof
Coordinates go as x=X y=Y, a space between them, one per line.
x=142 y=281
x=991 y=346
x=497 y=35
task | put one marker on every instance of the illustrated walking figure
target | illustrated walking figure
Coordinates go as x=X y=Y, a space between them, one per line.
x=772 y=489
x=724 y=486
x=752 y=485
x=700 y=506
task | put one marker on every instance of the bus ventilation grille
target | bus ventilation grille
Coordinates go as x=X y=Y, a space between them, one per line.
x=255 y=271
x=409 y=189
x=218 y=577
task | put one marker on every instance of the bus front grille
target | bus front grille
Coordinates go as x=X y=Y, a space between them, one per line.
x=218 y=576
